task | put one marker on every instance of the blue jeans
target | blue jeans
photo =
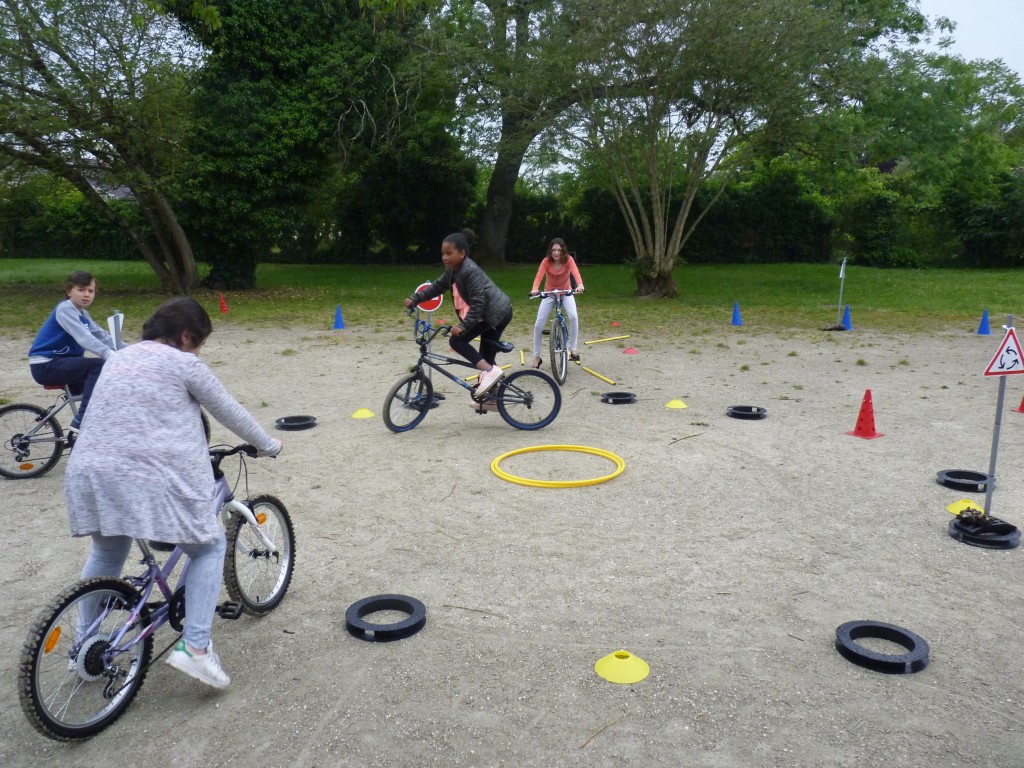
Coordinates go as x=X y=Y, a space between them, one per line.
x=79 y=373
x=205 y=570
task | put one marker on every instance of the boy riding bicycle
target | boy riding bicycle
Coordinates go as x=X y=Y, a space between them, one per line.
x=57 y=356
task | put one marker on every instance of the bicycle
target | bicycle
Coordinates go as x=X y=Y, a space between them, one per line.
x=34 y=440
x=526 y=399
x=559 y=335
x=78 y=674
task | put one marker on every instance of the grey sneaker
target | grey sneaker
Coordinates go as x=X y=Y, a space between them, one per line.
x=488 y=379
x=205 y=668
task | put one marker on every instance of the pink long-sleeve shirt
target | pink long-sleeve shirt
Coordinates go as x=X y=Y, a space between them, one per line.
x=556 y=275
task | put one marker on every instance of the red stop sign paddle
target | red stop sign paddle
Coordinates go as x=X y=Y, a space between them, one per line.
x=430 y=304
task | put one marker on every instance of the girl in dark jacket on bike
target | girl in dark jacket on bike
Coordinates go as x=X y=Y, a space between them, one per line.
x=486 y=310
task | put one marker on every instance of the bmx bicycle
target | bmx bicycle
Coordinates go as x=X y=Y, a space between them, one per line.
x=526 y=399
x=559 y=334
x=87 y=654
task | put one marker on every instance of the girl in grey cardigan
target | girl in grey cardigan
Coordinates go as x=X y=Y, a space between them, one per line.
x=142 y=469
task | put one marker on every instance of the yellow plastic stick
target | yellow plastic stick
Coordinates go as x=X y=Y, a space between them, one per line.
x=522 y=357
x=595 y=373
x=610 y=338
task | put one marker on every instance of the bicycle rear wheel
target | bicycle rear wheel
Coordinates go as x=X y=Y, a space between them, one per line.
x=528 y=399
x=255 y=576
x=73 y=688
x=32 y=444
x=559 y=349
x=408 y=402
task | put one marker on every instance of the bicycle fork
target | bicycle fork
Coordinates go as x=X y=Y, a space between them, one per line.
x=233 y=506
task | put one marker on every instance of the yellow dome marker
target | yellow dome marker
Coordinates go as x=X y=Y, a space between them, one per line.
x=622 y=667
x=676 y=404
x=964 y=504
x=363 y=413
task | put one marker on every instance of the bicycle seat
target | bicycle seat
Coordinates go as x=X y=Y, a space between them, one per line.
x=55 y=386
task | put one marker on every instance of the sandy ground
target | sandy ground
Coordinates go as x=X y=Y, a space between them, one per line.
x=725 y=556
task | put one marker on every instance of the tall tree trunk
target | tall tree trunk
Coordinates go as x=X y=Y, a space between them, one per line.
x=657 y=285
x=490 y=250
x=177 y=250
x=168 y=279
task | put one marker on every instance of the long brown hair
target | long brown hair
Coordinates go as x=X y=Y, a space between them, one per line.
x=565 y=250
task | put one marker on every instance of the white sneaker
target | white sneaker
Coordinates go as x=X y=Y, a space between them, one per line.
x=488 y=379
x=205 y=668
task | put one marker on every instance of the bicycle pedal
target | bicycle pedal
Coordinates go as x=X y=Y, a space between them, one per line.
x=229 y=609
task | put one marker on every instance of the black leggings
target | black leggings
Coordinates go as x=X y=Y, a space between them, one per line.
x=489 y=338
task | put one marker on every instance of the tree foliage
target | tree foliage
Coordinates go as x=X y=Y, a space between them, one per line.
x=514 y=63
x=698 y=89
x=97 y=92
x=291 y=91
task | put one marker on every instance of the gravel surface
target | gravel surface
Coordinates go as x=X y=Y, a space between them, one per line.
x=725 y=556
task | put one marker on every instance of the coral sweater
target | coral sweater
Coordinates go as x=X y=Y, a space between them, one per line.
x=556 y=276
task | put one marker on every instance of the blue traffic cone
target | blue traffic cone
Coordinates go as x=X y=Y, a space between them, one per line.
x=338 y=322
x=983 y=329
x=736 y=319
x=847 y=322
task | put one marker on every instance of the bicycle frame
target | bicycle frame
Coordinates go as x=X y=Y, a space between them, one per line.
x=159 y=577
x=425 y=334
x=64 y=400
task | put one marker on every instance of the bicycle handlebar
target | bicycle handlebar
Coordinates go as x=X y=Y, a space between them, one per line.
x=545 y=294
x=219 y=454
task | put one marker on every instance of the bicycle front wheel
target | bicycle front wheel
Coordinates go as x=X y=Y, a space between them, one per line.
x=32 y=443
x=408 y=402
x=256 y=575
x=72 y=682
x=559 y=349
x=528 y=399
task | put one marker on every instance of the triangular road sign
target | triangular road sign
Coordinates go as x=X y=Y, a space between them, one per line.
x=1008 y=359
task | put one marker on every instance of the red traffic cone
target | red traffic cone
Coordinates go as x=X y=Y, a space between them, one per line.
x=1020 y=408
x=866 y=420
x=223 y=304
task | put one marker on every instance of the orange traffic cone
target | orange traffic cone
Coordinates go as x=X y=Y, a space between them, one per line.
x=1020 y=408
x=866 y=420
x=223 y=304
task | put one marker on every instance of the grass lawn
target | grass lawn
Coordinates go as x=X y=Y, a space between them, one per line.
x=775 y=296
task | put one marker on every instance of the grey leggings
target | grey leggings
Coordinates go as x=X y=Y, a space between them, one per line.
x=205 y=570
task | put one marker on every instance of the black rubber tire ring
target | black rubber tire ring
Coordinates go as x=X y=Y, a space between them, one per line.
x=385 y=632
x=749 y=412
x=999 y=534
x=914 y=660
x=618 y=398
x=964 y=479
x=295 y=423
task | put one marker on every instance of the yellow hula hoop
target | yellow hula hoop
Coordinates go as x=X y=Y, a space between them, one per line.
x=620 y=465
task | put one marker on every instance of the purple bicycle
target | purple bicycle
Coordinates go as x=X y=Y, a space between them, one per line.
x=87 y=654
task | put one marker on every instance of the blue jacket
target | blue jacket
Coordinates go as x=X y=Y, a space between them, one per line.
x=69 y=332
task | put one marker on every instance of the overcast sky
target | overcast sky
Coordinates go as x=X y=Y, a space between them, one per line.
x=985 y=29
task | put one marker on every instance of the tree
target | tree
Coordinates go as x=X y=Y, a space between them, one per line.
x=97 y=92
x=514 y=63
x=717 y=81
x=291 y=90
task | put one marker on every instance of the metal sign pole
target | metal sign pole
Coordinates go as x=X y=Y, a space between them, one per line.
x=995 y=436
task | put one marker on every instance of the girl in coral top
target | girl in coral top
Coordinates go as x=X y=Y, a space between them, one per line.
x=555 y=269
